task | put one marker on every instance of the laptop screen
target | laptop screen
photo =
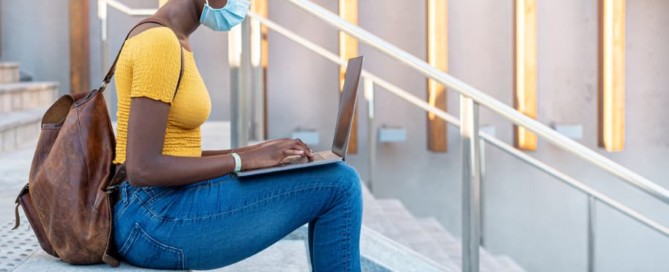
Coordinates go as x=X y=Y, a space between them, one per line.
x=347 y=107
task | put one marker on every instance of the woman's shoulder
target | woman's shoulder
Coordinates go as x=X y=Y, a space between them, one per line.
x=155 y=37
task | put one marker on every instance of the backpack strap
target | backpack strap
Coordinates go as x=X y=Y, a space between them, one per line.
x=112 y=69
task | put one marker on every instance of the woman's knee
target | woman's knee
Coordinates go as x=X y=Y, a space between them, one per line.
x=348 y=178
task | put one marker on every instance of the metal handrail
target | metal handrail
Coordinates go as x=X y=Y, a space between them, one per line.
x=489 y=102
x=103 y=14
x=127 y=10
x=412 y=99
x=470 y=240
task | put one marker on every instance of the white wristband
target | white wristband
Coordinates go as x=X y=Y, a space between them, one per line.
x=238 y=162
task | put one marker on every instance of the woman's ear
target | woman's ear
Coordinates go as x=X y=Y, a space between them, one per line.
x=199 y=6
x=218 y=3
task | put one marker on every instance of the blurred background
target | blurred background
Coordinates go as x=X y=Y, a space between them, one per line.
x=595 y=71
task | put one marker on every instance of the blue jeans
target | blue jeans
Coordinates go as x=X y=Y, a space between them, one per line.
x=218 y=222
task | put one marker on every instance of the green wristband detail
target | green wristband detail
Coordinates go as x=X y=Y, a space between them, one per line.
x=238 y=162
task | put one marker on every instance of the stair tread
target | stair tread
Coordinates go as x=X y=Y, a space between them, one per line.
x=373 y=215
x=283 y=256
x=9 y=65
x=409 y=233
x=14 y=119
x=26 y=86
x=9 y=72
x=453 y=246
x=427 y=236
x=508 y=264
x=26 y=95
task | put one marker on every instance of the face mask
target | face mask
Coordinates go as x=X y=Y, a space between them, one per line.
x=225 y=18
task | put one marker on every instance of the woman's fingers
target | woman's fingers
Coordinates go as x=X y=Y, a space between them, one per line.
x=274 y=152
x=293 y=152
x=303 y=146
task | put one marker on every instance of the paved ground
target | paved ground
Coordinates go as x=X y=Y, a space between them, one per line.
x=14 y=170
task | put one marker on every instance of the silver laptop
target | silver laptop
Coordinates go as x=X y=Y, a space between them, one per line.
x=342 y=130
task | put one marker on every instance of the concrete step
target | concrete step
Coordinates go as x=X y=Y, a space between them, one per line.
x=386 y=254
x=453 y=246
x=27 y=95
x=373 y=216
x=19 y=251
x=410 y=233
x=508 y=264
x=284 y=256
x=9 y=72
x=19 y=127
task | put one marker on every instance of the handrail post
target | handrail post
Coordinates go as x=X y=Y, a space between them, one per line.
x=592 y=224
x=371 y=130
x=239 y=41
x=258 y=82
x=102 y=15
x=471 y=182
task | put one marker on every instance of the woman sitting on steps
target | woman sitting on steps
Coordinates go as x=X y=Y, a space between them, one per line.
x=181 y=208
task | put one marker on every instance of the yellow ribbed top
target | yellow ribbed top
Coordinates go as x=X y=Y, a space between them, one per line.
x=149 y=66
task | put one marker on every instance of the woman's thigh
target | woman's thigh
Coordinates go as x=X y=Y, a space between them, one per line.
x=224 y=220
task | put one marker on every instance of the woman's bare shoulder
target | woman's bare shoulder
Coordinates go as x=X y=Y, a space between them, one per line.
x=144 y=27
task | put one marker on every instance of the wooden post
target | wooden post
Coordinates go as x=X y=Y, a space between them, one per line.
x=79 y=46
x=348 y=48
x=261 y=7
x=611 y=75
x=437 y=56
x=525 y=69
x=0 y=29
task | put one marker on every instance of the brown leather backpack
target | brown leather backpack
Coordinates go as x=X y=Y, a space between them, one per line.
x=68 y=196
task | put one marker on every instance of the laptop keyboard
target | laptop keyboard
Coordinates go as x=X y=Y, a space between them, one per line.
x=299 y=159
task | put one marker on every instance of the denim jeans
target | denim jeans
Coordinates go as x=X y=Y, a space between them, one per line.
x=214 y=223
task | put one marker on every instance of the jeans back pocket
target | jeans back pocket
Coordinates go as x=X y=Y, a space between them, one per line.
x=140 y=249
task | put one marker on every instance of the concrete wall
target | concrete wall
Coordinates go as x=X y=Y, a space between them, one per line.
x=535 y=219
x=37 y=36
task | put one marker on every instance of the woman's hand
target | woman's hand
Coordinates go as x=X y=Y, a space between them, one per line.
x=272 y=153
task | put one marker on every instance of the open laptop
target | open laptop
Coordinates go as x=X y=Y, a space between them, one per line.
x=342 y=129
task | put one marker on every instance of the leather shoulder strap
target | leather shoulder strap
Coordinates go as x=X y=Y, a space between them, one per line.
x=112 y=69
x=181 y=73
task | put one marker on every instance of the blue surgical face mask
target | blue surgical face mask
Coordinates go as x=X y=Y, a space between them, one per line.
x=223 y=19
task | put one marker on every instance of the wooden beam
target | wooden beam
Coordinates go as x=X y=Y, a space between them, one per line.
x=437 y=56
x=525 y=69
x=261 y=7
x=348 y=48
x=79 y=46
x=611 y=75
x=0 y=29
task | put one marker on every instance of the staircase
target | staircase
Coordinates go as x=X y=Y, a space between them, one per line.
x=425 y=236
x=22 y=105
x=392 y=240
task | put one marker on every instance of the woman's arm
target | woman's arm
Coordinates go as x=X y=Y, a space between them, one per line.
x=206 y=153
x=146 y=166
x=145 y=163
